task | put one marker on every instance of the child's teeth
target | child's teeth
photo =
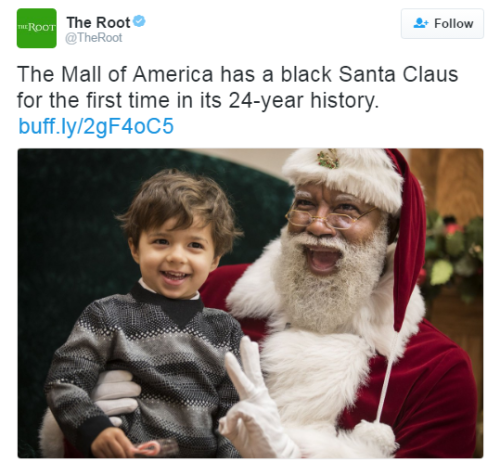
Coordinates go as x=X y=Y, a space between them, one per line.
x=175 y=275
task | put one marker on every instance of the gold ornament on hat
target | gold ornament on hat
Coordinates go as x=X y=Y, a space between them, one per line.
x=328 y=159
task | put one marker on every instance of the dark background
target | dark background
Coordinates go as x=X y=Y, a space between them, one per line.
x=71 y=249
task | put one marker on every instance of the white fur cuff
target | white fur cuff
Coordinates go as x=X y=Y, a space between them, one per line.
x=379 y=434
x=51 y=437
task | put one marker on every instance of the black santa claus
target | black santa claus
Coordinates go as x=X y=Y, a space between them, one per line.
x=351 y=369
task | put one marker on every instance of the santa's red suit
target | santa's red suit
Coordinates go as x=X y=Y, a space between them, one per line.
x=326 y=384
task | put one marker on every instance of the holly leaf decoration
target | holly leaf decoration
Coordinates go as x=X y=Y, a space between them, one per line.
x=453 y=256
x=441 y=272
x=474 y=234
x=438 y=226
x=474 y=230
x=465 y=266
x=455 y=244
x=431 y=247
x=432 y=216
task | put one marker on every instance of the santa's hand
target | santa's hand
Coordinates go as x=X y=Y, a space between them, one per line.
x=253 y=425
x=113 y=394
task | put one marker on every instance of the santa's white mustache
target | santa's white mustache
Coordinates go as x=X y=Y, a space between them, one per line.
x=334 y=243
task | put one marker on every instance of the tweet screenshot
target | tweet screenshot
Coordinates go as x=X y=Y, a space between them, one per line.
x=251 y=229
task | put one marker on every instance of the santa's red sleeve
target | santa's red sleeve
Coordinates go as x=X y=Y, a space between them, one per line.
x=444 y=423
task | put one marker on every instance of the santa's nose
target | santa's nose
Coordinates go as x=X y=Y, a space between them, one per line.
x=319 y=225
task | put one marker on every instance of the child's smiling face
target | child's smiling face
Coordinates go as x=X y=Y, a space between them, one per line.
x=175 y=263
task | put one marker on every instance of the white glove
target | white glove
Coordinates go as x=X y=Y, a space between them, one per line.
x=253 y=425
x=113 y=394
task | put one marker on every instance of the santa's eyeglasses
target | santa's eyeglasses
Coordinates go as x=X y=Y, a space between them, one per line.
x=333 y=220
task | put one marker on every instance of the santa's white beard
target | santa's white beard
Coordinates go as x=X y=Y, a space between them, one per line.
x=324 y=304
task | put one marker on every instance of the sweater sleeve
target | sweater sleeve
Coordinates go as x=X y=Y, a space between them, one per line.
x=73 y=374
x=228 y=397
x=444 y=424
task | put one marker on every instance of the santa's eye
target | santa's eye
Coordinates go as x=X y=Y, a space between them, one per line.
x=347 y=208
x=303 y=204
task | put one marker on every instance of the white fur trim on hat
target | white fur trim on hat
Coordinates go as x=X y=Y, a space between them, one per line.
x=368 y=174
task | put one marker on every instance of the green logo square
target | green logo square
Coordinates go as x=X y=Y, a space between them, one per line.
x=36 y=28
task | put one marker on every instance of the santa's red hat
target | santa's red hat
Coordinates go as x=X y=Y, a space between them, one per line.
x=382 y=178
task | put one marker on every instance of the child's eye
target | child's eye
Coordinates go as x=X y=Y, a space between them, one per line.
x=161 y=241
x=196 y=245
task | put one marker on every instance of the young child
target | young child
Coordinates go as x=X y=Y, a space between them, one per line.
x=178 y=227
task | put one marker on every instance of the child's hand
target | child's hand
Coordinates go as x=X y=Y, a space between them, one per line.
x=112 y=443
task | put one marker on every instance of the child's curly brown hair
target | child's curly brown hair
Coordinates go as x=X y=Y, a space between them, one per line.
x=172 y=193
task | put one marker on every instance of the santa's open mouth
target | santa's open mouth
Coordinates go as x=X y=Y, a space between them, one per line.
x=174 y=278
x=322 y=260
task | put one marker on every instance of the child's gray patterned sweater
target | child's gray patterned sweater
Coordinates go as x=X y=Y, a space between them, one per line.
x=174 y=349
